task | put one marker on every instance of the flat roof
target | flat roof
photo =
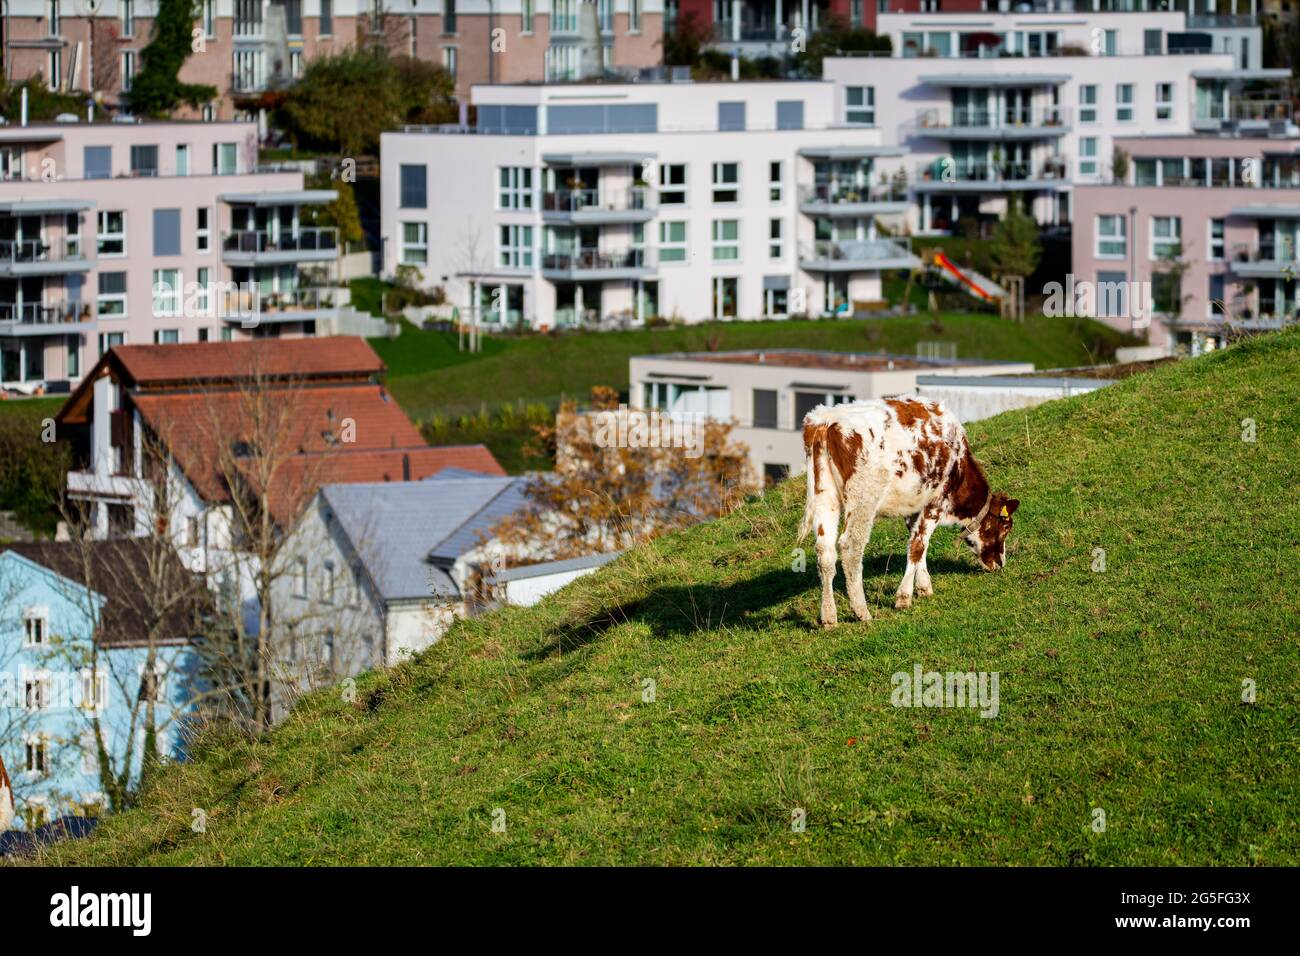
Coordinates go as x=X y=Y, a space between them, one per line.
x=809 y=358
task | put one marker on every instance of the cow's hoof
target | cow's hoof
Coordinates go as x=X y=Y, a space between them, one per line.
x=828 y=625
x=903 y=602
x=924 y=590
x=863 y=613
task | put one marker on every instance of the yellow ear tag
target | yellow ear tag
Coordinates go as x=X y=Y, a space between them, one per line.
x=1004 y=512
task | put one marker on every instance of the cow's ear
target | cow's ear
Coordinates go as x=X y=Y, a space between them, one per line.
x=1011 y=505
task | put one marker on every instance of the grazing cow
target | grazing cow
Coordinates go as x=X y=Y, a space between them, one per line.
x=898 y=457
x=7 y=810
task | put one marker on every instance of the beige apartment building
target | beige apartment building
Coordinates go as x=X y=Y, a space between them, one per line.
x=247 y=48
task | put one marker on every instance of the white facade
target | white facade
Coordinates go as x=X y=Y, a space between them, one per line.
x=622 y=203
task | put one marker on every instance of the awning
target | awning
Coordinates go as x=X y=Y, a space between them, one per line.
x=281 y=197
x=37 y=207
x=850 y=152
x=1272 y=73
x=995 y=79
x=1267 y=211
x=597 y=159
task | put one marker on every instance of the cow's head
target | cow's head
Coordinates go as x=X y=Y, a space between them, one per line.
x=988 y=539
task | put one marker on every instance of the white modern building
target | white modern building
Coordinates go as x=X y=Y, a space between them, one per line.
x=992 y=106
x=610 y=203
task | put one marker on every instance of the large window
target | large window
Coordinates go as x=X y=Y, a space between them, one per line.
x=672 y=242
x=516 y=188
x=774 y=235
x=726 y=240
x=1216 y=244
x=860 y=105
x=564 y=16
x=1087 y=155
x=35 y=628
x=111 y=299
x=127 y=9
x=1088 y=104
x=526 y=14
x=326 y=26
x=1124 y=103
x=516 y=247
x=225 y=158
x=1166 y=237
x=448 y=16
x=1164 y=101
x=1112 y=237
x=415 y=243
x=167 y=291
x=413 y=186
x=112 y=233
x=774 y=180
x=726 y=182
x=672 y=184
x=128 y=69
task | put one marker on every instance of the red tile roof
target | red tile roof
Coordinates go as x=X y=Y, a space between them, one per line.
x=328 y=357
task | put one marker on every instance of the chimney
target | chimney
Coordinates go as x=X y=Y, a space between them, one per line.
x=406 y=467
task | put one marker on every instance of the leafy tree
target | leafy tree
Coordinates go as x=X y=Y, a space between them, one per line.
x=342 y=212
x=157 y=90
x=835 y=38
x=1014 y=248
x=342 y=102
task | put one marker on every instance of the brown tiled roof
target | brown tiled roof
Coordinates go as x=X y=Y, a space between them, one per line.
x=133 y=582
x=196 y=362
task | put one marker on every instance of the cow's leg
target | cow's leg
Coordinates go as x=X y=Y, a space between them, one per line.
x=922 y=528
x=859 y=518
x=826 y=520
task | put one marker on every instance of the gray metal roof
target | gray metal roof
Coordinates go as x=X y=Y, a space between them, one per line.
x=393 y=525
x=507 y=498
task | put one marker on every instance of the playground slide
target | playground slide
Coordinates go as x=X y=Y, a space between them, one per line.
x=943 y=262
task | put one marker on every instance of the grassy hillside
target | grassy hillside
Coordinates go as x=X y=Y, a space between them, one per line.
x=429 y=376
x=1118 y=690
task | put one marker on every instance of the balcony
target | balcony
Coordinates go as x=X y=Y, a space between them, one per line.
x=595 y=206
x=951 y=176
x=862 y=255
x=36 y=257
x=849 y=199
x=981 y=124
x=40 y=318
x=1265 y=262
x=259 y=247
x=593 y=264
x=304 y=304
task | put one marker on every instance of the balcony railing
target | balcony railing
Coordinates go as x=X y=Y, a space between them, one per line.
x=306 y=239
x=596 y=200
x=592 y=260
x=306 y=299
x=968 y=117
x=855 y=250
x=722 y=32
x=23 y=251
x=38 y=313
x=1281 y=255
x=954 y=172
x=849 y=193
x=1204 y=21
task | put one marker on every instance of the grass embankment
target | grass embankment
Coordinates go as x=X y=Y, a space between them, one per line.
x=1119 y=690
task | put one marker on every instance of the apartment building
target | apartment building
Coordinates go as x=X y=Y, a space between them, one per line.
x=607 y=202
x=996 y=106
x=252 y=46
x=768 y=393
x=114 y=233
x=1209 y=226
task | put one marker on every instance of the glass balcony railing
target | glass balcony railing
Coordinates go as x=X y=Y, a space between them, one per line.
x=590 y=260
x=44 y=313
x=851 y=193
x=855 y=250
x=597 y=200
x=306 y=239
x=993 y=172
x=968 y=117
x=29 y=251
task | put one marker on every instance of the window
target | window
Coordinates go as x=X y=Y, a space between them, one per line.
x=110 y=340
x=1111 y=44
x=166 y=232
x=111 y=234
x=54 y=23
x=1124 y=103
x=300 y=578
x=295 y=63
x=249 y=67
x=34 y=693
x=776 y=303
x=203 y=229
x=448 y=16
x=35 y=628
x=327 y=582
x=166 y=336
x=209 y=14
x=449 y=60
x=128 y=69
x=726 y=240
x=672 y=242
x=112 y=295
x=203 y=297
x=526 y=14
x=764 y=408
x=414 y=186
x=634 y=16
x=672 y=184
x=97 y=162
x=1087 y=156
x=74 y=356
x=37 y=755
x=182 y=160
x=726 y=296
x=1112 y=241
x=789 y=114
x=225 y=158
x=1166 y=292
x=1166 y=237
x=1087 y=104
x=774 y=179
x=54 y=64
x=415 y=243
x=94 y=689
x=564 y=16
x=726 y=182
x=860 y=105
x=144 y=160
x=1152 y=42
x=1164 y=101
x=1216 y=245
x=127 y=8
x=167 y=292
x=774 y=249
x=731 y=116
x=516 y=247
x=516 y=188
x=1216 y=306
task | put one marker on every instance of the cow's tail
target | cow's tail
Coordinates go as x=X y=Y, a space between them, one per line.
x=822 y=479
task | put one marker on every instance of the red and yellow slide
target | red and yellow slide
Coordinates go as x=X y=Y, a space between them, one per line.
x=943 y=262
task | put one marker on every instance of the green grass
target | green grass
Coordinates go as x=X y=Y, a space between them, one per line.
x=31 y=410
x=1119 y=690
x=429 y=376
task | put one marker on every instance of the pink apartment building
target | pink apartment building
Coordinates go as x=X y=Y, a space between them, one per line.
x=1210 y=222
x=140 y=233
x=251 y=47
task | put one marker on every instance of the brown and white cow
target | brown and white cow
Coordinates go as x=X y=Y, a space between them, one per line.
x=902 y=458
x=7 y=810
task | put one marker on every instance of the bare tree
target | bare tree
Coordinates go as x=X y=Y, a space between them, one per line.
x=472 y=260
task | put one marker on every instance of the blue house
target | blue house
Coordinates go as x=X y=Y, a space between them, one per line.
x=74 y=686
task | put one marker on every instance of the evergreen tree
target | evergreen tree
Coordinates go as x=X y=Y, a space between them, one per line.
x=1014 y=248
